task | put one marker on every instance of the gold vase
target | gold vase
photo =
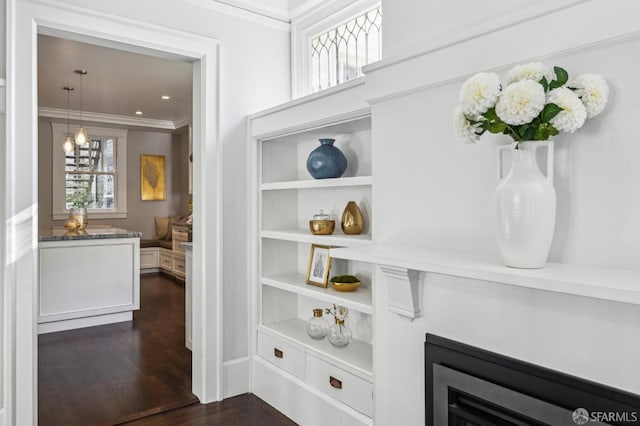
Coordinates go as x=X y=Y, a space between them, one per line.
x=352 y=221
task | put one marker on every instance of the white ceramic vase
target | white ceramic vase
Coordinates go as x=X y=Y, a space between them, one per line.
x=525 y=206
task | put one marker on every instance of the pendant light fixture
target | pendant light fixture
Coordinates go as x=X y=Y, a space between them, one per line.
x=81 y=134
x=68 y=142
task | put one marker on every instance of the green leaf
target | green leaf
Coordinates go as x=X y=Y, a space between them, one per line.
x=549 y=111
x=562 y=76
x=545 y=83
x=545 y=131
x=529 y=134
x=521 y=130
x=491 y=114
x=542 y=134
x=495 y=126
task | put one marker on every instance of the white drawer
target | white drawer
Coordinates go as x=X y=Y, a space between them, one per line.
x=179 y=266
x=286 y=356
x=345 y=387
x=180 y=236
x=175 y=245
x=166 y=261
x=148 y=258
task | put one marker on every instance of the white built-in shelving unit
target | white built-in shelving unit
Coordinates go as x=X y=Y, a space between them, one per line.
x=286 y=198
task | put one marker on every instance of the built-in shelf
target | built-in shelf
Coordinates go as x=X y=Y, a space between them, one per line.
x=304 y=236
x=611 y=284
x=356 y=357
x=318 y=183
x=359 y=300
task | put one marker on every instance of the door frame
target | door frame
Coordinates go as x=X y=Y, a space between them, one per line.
x=25 y=19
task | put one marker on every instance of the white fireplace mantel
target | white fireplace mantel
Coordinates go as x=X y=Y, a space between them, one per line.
x=403 y=267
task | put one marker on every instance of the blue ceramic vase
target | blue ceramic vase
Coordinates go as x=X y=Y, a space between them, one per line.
x=326 y=161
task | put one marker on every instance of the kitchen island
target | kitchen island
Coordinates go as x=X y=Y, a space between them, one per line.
x=87 y=278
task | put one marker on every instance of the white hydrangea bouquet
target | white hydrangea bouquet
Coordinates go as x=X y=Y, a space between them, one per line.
x=536 y=103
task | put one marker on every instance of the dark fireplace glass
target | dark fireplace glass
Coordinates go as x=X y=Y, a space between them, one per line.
x=467 y=410
x=469 y=386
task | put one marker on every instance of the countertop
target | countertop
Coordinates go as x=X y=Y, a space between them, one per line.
x=59 y=233
x=187 y=246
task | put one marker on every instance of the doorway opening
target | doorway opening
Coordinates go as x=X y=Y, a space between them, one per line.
x=21 y=225
x=136 y=111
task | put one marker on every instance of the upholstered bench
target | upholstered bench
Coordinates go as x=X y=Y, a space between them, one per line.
x=161 y=253
x=156 y=243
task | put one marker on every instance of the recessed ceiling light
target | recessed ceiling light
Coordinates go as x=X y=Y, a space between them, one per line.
x=165 y=97
x=138 y=112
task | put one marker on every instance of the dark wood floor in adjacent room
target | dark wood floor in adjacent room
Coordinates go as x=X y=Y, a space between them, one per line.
x=243 y=410
x=135 y=373
x=98 y=375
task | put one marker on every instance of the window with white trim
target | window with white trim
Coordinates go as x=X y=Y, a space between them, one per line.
x=94 y=174
x=332 y=43
x=339 y=54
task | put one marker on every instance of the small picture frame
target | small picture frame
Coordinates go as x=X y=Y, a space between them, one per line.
x=319 y=265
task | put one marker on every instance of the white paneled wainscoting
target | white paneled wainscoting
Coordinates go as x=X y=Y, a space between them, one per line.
x=434 y=194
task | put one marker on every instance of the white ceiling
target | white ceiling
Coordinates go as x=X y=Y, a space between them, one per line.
x=118 y=82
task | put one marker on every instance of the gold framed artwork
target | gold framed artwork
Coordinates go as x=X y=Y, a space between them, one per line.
x=152 y=177
x=319 y=266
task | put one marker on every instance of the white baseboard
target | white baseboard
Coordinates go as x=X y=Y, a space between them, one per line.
x=52 y=327
x=236 y=377
x=149 y=270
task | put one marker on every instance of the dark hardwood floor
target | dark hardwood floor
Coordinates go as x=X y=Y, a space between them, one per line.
x=107 y=374
x=242 y=410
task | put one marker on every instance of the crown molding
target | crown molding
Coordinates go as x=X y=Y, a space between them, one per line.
x=110 y=118
x=181 y=123
x=275 y=9
x=246 y=10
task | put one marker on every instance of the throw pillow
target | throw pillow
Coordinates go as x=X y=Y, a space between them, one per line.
x=169 y=236
x=162 y=227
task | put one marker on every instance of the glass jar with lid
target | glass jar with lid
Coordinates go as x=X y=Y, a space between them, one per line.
x=322 y=224
x=318 y=326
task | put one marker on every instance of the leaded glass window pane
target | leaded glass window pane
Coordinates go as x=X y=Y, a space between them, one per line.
x=91 y=174
x=339 y=54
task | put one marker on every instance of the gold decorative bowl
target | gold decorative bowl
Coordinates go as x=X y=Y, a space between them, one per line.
x=322 y=226
x=345 y=286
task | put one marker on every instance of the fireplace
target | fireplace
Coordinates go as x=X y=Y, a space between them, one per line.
x=468 y=386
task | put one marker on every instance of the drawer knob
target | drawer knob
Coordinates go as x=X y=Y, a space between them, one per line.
x=335 y=383
x=278 y=353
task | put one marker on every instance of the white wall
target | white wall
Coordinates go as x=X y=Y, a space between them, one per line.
x=254 y=75
x=2 y=38
x=2 y=139
x=410 y=22
x=444 y=190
